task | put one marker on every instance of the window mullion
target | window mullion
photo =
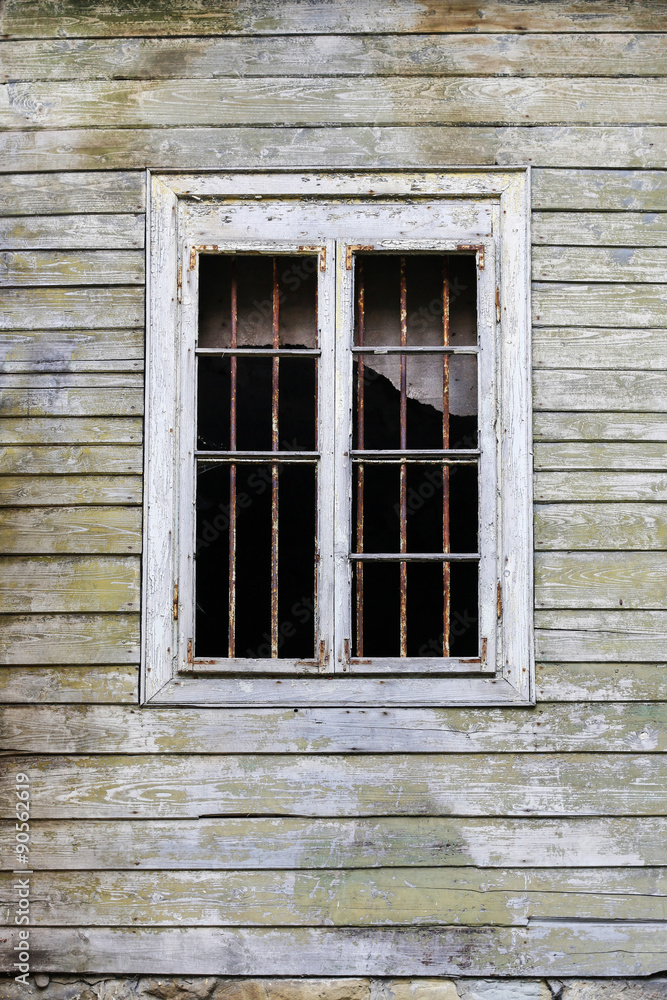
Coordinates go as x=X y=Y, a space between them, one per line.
x=326 y=472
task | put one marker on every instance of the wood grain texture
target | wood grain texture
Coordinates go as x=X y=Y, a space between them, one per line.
x=97 y=459
x=600 y=580
x=550 y=263
x=72 y=232
x=70 y=430
x=543 y=949
x=75 y=267
x=554 y=487
x=64 y=193
x=68 y=583
x=604 y=347
x=295 y=842
x=600 y=190
x=31 y=491
x=66 y=18
x=549 y=728
x=599 y=681
x=598 y=229
x=99 y=685
x=70 y=350
x=65 y=401
x=70 y=530
x=609 y=526
x=632 y=427
x=69 y=639
x=589 y=54
x=583 y=304
x=357 y=898
x=38 y=308
x=571 y=455
x=603 y=635
x=634 y=391
x=181 y=786
x=199 y=148
x=333 y=101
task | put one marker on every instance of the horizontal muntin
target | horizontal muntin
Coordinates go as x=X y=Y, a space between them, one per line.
x=451 y=456
x=468 y=349
x=259 y=352
x=414 y=556
x=258 y=457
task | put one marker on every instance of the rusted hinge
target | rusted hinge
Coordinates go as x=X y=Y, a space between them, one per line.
x=179 y=282
x=497 y=304
x=479 y=250
x=499 y=600
x=352 y=248
x=323 y=656
x=207 y=247
x=175 y=602
x=322 y=251
x=483 y=656
x=190 y=660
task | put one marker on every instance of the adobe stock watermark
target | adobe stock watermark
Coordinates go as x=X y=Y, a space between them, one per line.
x=21 y=886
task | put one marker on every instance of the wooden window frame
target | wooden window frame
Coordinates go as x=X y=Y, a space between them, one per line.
x=484 y=211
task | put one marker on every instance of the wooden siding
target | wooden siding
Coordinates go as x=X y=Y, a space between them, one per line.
x=335 y=841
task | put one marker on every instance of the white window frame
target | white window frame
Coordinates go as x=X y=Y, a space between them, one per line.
x=484 y=211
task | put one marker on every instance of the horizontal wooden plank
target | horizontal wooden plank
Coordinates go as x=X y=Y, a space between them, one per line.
x=71 y=402
x=41 y=381
x=357 y=898
x=71 y=459
x=600 y=682
x=554 y=487
x=640 y=305
x=69 y=349
x=599 y=347
x=544 y=948
x=588 y=54
x=643 y=264
x=568 y=455
x=605 y=636
x=599 y=526
x=70 y=530
x=318 y=100
x=31 y=491
x=60 y=685
x=72 y=232
x=70 y=430
x=633 y=391
x=199 y=148
x=69 y=639
x=600 y=190
x=37 y=308
x=597 y=229
x=80 y=583
x=67 y=19
x=75 y=459
x=600 y=579
x=183 y=785
x=548 y=728
x=551 y=426
x=75 y=267
x=295 y=842
x=64 y=193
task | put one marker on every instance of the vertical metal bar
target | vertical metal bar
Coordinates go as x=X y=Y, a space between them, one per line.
x=404 y=468
x=231 y=644
x=446 y=571
x=274 y=468
x=359 y=568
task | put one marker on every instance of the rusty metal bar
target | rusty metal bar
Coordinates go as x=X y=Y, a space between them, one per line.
x=361 y=331
x=415 y=556
x=274 y=468
x=231 y=634
x=446 y=573
x=403 y=482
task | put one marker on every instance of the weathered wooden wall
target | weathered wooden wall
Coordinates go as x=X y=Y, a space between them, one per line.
x=318 y=841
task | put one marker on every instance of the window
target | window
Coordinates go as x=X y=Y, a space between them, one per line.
x=338 y=503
